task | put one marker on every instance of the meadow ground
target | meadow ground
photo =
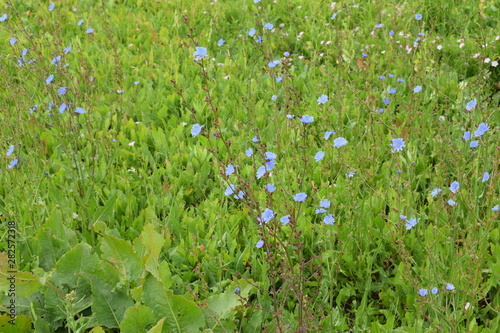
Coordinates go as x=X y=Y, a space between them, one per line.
x=249 y=166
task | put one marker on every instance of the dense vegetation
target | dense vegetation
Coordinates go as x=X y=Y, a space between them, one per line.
x=246 y=165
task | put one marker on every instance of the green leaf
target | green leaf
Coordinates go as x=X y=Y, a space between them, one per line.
x=22 y=324
x=137 y=319
x=107 y=209
x=181 y=315
x=122 y=255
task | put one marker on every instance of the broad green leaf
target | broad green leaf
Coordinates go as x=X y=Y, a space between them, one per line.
x=181 y=315
x=26 y=283
x=137 y=319
x=122 y=255
x=21 y=324
x=152 y=240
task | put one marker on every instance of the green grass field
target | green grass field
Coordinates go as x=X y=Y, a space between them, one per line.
x=249 y=166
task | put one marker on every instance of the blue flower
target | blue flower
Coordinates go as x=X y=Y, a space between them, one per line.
x=89 y=30
x=434 y=290
x=481 y=129
x=400 y=80
x=397 y=144
x=334 y=15
x=364 y=55
x=260 y=172
x=378 y=26
x=450 y=286
x=411 y=223
x=270 y=165
x=266 y=216
x=328 y=134
x=49 y=79
x=307 y=119
x=240 y=195
x=474 y=144
x=137 y=82
x=255 y=139
x=256 y=1
x=466 y=136
x=268 y=26
x=62 y=107
x=13 y=41
x=196 y=129
x=402 y=217
x=10 y=150
x=391 y=32
x=320 y=210
x=454 y=187
x=221 y=42
x=329 y=219
x=237 y=290
x=392 y=91
x=67 y=49
x=249 y=152
x=62 y=90
x=319 y=156
x=300 y=197
x=25 y=51
x=350 y=174
x=120 y=91
x=452 y=202
x=273 y=63
x=56 y=60
x=274 y=97
x=259 y=244
x=51 y=7
x=13 y=163
x=390 y=75
x=279 y=79
x=290 y=116
x=270 y=156
x=496 y=208
x=200 y=53
x=381 y=77
x=285 y=219
x=251 y=33
x=380 y=110
x=339 y=142
x=286 y=54
x=270 y=188
x=417 y=89
x=418 y=17
x=423 y=292
x=471 y=105
x=435 y=191
x=322 y=99
x=387 y=101
x=79 y=110
x=80 y=22
x=325 y=203
x=259 y=39
x=3 y=17
x=230 y=169
x=486 y=177
x=230 y=189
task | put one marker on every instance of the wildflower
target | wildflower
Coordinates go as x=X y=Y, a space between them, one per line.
x=319 y=156
x=268 y=26
x=402 y=217
x=364 y=55
x=329 y=219
x=63 y=107
x=274 y=97
x=400 y=80
x=67 y=49
x=418 y=17
x=481 y=129
x=49 y=79
x=10 y=150
x=417 y=89
x=259 y=39
x=452 y=202
x=196 y=129
x=237 y=290
x=387 y=101
x=496 y=208
x=255 y=139
x=240 y=195
x=200 y=53
x=13 y=41
x=435 y=191
x=471 y=105
x=56 y=60
x=260 y=172
x=411 y=223
x=251 y=33
x=474 y=144
x=285 y=219
x=300 y=197
x=380 y=110
x=89 y=30
x=266 y=216
x=423 y=292
x=13 y=163
x=270 y=156
x=256 y=1
x=486 y=177
x=259 y=244
x=450 y=286
x=230 y=169
x=322 y=99
x=392 y=91
x=434 y=290
x=279 y=79
x=230 y=189
x=221 y=42
x=339 y=142
x=350 y=174
x=454 y=186
x=325 y=203
x=466 y=136
x=120 y=91
x=62 y=90
x=286 y=54
x=270 y=188
x=328 y=134
x=249 y=152
x=273 y=63
x=51 y=7
x=3 y=17
x=381 y=77
x=391 y=32
x=80 y=22
x=290 y=116
x=137 y=82
x=79 y=110
x=334 y=15
x=378 y=26
x=320 y=210
x=397 y=144
x=306 y=119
